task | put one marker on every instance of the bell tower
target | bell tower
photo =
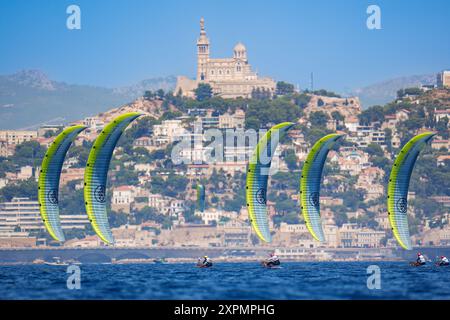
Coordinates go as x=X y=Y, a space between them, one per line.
x=202 y=53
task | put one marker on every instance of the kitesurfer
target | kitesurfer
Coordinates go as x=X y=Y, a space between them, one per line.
x=444 y=261
x=420 y=259
x=206 y=262
x=273 y=260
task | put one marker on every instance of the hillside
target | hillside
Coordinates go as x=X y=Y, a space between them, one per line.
x=29 y=98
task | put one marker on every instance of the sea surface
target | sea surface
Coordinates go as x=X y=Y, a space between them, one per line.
x=322 y=280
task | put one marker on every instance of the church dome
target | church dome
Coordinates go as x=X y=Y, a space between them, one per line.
x=239 y=47
x=240 y=52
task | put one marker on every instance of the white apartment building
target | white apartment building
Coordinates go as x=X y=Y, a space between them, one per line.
x=369 y=238
x=209 y=216
x=157 y=201
x=93 y=123
x=366 y=135
x=14 y=137
x=441 y=114
x=236 y=120
x=172 y=130
x=443 y=79
x=123 y=195
x=122 y=198
x=22 y=215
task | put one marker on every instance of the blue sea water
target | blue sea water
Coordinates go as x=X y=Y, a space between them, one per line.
x=323 y=280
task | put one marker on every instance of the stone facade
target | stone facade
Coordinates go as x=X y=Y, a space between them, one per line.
x=228 y=77
x=443 y=79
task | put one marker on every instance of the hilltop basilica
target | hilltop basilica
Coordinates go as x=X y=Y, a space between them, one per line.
x=228 y=77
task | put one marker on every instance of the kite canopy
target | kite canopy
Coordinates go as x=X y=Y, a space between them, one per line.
x=96 y=173
x=48 y=185
x=201 y=197
x=257 y=177
x=310 y=184
x=397 y=200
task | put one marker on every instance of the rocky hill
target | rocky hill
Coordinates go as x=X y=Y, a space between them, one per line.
x=29 y=99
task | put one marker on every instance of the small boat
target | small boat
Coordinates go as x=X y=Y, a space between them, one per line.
x=160 y=260
x=56 y=262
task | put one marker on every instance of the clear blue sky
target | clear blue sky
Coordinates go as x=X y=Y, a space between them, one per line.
x=122 y=42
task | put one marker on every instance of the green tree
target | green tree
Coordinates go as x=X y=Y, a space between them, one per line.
x=26 y=188
x=318 y=119
x=336 y=115
x=372 y=114
x=284 y=88
x=203 y=92
x=290 y=159
x=29 y=153
x=149 y=95
x=160 y=93
x=320 y=102
x=302 y=100
x=374 y=149
x=325 y=93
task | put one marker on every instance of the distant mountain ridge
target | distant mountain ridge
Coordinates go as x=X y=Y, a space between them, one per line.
x=166 y=83
x=32 y=78
x=383 y=92
x=29 y=98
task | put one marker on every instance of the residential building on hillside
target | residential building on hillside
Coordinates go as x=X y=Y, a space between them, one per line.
x=15 y=137
x=438 y=144
x=49 y=128
x=5 y=149
x=351 y=123
x=171 y=129
x=441 y=114
x=122 y=198
x=93 y=124
x=443 y=79
x=236 y=120
x=25 y=173
x=366 y=135
x=235 y=233
x=21 y=216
